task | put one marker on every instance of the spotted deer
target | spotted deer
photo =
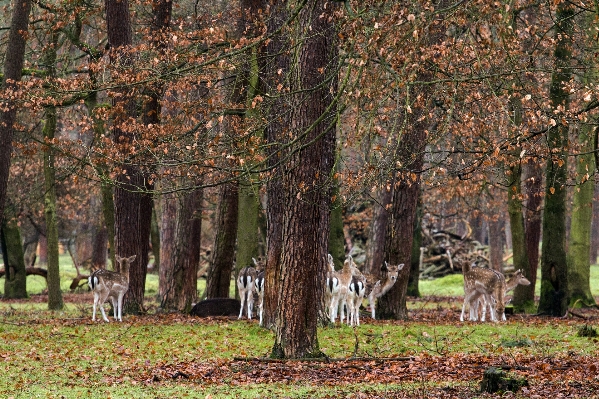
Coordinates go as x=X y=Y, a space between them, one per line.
x=377 y=288
x=512 y=282
x=246 y=284
x=337 y=285
x=107 y=284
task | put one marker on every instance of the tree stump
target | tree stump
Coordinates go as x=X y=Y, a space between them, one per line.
x=496 y=380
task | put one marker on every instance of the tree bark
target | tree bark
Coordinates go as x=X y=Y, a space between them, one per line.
x=414 y=276
x=133 y=205
x=55 y=301
x=278 y=111
x=375 y=250
x=554 y=271
x=496 y=240
x=15 y=283
x=306 y=193
x=13 y=65
x=218 y=282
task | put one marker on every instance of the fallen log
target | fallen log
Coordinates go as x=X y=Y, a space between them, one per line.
x=36 y=271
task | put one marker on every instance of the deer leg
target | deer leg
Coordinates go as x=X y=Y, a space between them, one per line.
x=242 y=297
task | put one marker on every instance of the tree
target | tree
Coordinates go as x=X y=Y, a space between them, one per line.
x=13 y=65
x=133 y=206
x=15 y=283
x=305 y=175
x=554 y=277
x=218 y=282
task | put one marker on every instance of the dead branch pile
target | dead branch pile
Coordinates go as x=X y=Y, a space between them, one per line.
x=445 y=252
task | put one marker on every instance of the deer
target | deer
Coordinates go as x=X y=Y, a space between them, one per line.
x=379 y=288
x=512 y=282
x=108 y=284
x=246 y=283
x=355 y=296
x=338 y=283
x=259 y=285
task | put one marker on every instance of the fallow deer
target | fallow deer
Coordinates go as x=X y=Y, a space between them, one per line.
x=355 y=296
x=379 y=288
x=246 y=284
x=108 y=284
x=338 y=285
x=515 y=279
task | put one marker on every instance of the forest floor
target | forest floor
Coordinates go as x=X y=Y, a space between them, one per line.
x=432 y=355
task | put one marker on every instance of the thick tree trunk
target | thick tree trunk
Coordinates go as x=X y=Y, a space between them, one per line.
x=554 y=271
x=218 y=282
x=180 y=245
x=532 y=220
x=15 y=283
x=99 y=234
x=523 y=298
x=278 y=111
x=375 y=250
x=155 y=240
x=306 y=195
x=133 y=206
x=579 y=262
x=13 y=65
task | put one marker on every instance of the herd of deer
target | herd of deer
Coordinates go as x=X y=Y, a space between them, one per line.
x=344 y=289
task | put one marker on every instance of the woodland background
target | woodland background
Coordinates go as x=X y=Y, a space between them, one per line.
x=199 y=132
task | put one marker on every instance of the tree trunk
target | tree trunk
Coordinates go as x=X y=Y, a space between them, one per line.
x=414 y=276
x=155 y=241
x=218 y=282
x=13 y=65
x=180 y=245
x=532 y=221
x=554 y=271
x=55 y=301
x=278 y=111
x=594 y=250
x=306 y=195
x=579 y=262
x=133 y=206
x=15 y=283
x=336 y=237
x=248 y=223
x=523 y=298
x=496 y=241
x=375 y=250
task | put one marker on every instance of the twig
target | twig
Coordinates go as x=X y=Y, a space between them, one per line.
x=323 y=359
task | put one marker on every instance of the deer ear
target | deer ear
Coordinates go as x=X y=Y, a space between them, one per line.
x=400 y=266
x=385 y=267
x=330 y=258
x=118 y=258
x=131 y=258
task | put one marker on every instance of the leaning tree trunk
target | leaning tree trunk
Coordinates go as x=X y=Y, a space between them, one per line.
x=306 y=194
x=414 y=276
x=554 y=271
x=218 y=282
x=13 y=65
